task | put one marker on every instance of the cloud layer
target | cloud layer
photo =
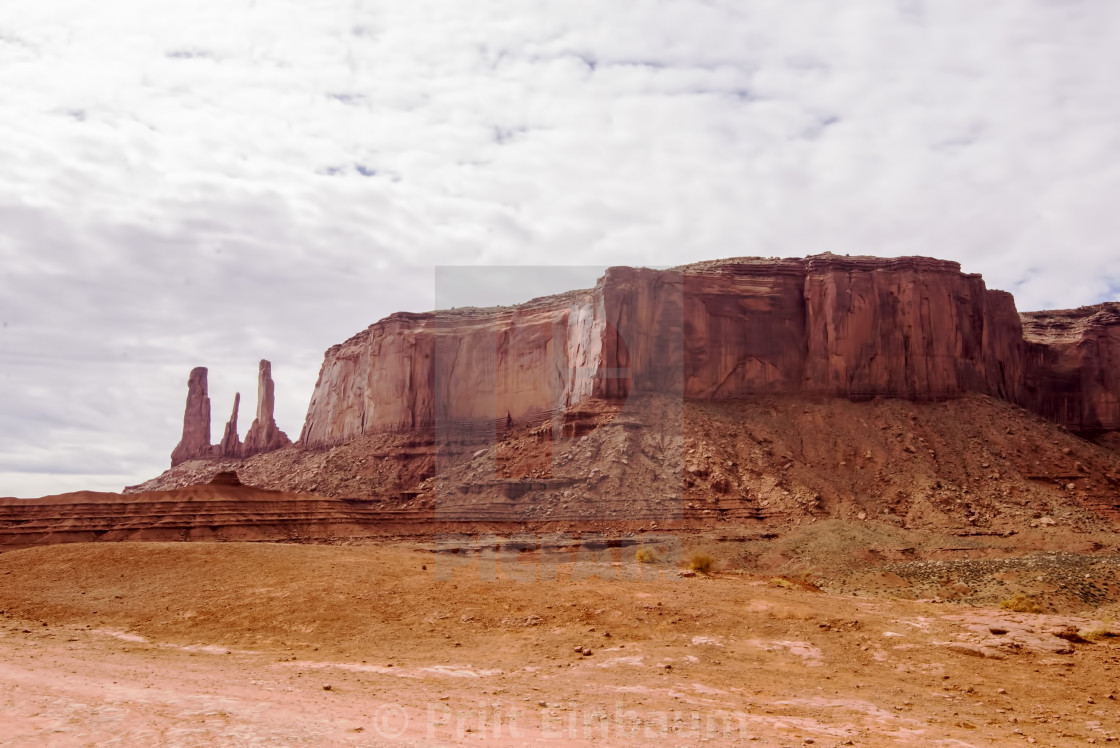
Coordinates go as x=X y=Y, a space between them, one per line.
x=220 y=181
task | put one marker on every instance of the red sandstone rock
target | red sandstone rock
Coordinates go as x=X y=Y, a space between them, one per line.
x=1073 y=373
x=909 y=327
x=223 y=510
x=230 y=445
x=912 y=327
x=468 y=366
x=264 y=435
x=226 y=478
x=196 y=420
x=826 y=325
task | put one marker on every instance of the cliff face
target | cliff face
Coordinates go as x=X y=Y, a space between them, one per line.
x=858 y=327
x=827 y=325
x=1073 y=369
x=913 y=328
x=417 y=371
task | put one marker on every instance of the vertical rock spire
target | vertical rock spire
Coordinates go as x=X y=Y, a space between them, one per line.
x=264 y=435
x=196 y=420
x=231 y=443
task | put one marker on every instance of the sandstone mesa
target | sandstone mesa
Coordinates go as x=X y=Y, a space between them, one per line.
x=827 y=325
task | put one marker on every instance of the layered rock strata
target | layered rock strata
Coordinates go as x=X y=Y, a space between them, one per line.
x=222 y=510
x=1073 y=366
x=910 y=327
x=828 y=325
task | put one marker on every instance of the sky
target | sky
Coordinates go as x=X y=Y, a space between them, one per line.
x=215 y=182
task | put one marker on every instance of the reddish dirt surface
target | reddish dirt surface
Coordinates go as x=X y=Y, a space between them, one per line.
x=917 y=520
x=236 y=644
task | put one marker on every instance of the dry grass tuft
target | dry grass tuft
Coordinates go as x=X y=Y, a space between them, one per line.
x=702 y=563
x=1020 y=603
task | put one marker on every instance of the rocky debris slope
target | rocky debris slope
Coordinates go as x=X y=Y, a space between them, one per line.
x=975 y=466
x=1043 y=582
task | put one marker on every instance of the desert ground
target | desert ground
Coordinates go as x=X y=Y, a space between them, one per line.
x=407 y=643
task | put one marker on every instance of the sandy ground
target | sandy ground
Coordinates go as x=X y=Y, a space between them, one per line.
x=261 y=644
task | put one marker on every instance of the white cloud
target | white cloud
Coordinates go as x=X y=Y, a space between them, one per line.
x=220 y=181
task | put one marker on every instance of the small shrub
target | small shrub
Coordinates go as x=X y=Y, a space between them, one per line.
x=1104 y=632
x=783 y=583
x=1020 y=603
x=701 y=562
x=646 y=556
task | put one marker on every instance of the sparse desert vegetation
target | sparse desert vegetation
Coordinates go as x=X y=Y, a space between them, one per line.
x=361 y=645
x=701 y=562
x=1020 y=603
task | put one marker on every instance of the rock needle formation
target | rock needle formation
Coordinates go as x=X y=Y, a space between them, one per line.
x=196 y=420
x=263 y=436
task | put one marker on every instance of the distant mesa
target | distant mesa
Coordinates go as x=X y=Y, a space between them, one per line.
x=762 y=393
x=913 y=328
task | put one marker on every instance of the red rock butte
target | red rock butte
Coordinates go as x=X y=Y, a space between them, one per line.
x=827 y=325
x=761 y=392
x=914 y=328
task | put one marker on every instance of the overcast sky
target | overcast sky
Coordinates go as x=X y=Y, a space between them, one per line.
x=218 y=181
